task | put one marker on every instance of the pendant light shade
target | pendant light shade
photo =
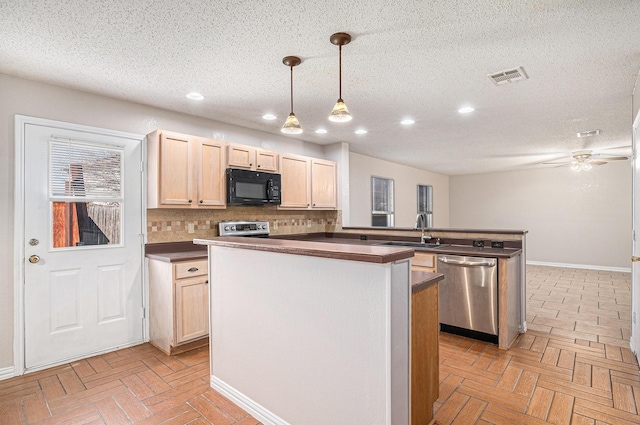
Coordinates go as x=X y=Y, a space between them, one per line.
x=340 y=112
x=291 y=125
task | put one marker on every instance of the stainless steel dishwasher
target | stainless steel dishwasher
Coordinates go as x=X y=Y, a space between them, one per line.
x=468 y=294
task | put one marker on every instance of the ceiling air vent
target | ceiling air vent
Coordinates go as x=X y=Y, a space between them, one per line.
x=589 y=133
x=508 y=76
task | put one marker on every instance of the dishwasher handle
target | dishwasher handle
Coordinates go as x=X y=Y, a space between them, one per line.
x=462 y=261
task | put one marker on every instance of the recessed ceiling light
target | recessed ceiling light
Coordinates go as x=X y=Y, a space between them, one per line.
x=466 y=109
x=269 y=117
x=361 y=131
x=321 y=131
x=195 y=96
x=407 y=122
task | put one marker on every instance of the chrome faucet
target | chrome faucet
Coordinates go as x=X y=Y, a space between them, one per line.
x=421 y=222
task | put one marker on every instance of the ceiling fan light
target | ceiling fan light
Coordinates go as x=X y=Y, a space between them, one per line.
x=586 y=166
x=291 y=125
x=575 y=166
x=340 y=112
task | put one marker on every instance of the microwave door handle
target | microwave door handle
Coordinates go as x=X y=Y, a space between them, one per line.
x=269 y=188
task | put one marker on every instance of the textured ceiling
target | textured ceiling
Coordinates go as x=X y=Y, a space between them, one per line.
x=417 y=59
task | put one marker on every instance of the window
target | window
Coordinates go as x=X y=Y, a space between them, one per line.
x=381 y=202
x=85 y=191
x=425 y=203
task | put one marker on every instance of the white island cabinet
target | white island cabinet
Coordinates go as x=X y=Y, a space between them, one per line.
x=311 y=333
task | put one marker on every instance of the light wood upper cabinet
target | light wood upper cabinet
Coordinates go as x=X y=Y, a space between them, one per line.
x=185 y=171
x=211 y=180
x=267 y=160
x=296 y=176
x=323 y=184
x=308 y=183
x=250 y=158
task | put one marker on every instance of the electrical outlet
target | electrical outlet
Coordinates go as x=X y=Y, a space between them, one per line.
x=191 y=228
x=634 y=318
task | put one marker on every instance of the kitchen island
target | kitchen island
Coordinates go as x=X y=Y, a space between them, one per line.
x=316 y=333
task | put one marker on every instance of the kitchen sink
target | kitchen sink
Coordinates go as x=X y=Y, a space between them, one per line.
x=415 y=244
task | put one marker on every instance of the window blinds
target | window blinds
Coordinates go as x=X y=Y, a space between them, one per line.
x=80 y=171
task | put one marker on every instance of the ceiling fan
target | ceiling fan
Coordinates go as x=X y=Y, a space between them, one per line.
x=585 y=160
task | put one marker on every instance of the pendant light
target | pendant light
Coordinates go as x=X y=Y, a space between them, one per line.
x=340 y=112
x=291 y=125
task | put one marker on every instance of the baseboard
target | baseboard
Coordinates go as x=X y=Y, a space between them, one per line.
x=256 y=410
x=7 y=372
x=580 y=266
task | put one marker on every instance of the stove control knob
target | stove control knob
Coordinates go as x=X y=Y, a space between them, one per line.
x=233 y=227
x=226 y=228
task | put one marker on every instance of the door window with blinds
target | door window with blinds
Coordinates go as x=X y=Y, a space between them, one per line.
x=425 y=203
x=85 y=194
x=382 y=209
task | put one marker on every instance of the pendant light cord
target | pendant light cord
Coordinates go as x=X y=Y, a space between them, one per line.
x=291 y=89
x=340 y=67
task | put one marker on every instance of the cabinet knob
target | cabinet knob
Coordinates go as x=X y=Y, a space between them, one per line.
x=314 y=205
x=250 y=165
x=308 y=204
x=201 y=201
x=259 y=165
x=193 y=269
x=190 y=200
x=206 y=282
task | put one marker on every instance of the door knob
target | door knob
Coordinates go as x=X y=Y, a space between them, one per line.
x=34 y=259
x=635 y=259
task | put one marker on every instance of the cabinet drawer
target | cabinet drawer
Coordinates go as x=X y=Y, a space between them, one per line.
x=424 y=260
x=191 y=269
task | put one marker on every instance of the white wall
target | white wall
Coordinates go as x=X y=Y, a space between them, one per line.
x=572 y=217
x=406 y=180
x=24 y=97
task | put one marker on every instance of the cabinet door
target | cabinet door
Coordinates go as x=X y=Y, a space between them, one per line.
x=424 y=354
x=192 y=308
x=211 y=176
x=176 y=170
x=323 y=184
x=295 y=181
x=241 y=156
x=266 y=160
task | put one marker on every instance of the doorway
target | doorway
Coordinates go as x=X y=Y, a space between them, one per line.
x=79 y=242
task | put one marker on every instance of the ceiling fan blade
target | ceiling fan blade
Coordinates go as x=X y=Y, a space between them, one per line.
x=610 y=158
x=556 y=162
x=597 y=162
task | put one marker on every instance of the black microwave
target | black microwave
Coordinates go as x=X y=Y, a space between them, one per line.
x=249 y=187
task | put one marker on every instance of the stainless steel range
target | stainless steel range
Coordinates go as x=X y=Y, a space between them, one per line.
x=255 y=229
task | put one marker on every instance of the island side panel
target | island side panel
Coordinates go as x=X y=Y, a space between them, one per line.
x=400 y=326
x=306 y=339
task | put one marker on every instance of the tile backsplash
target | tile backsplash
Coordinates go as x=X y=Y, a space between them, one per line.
x=175 y=225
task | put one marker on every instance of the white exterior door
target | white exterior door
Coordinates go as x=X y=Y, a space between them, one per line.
x=82 y=243
x=635 y=264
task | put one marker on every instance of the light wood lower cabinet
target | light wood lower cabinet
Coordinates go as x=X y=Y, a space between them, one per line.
x=424 y=262
x=424 y=354
x=178 y=305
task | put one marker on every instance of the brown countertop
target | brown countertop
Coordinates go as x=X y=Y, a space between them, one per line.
x=340 y=251
x=422 y=280
x=175 y=251
x=453 y=249
x=431 y=229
